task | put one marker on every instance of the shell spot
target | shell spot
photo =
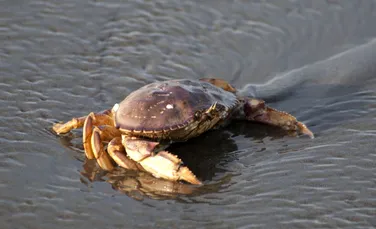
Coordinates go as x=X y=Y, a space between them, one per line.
x=169 y=106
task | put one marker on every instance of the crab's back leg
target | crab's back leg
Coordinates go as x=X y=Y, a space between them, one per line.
x=220 y=83
x=161 y=164
x=257 y=110
x=102 y=118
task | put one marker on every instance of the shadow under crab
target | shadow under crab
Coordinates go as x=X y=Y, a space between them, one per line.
x=147 y=121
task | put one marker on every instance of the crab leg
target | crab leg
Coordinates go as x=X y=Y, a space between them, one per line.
x=162 y=164
x=103 y=159
x=220 y=83
x=107 y=132
x=95 y=145
x=256 y=110
x=102 y=118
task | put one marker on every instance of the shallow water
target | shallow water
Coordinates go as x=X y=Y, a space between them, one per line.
x=316 y=60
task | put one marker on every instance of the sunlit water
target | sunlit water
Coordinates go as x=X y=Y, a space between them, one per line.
x=315 y=59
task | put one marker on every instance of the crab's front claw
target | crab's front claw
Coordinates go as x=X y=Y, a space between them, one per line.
x=168 y=166
x=256 y=110
x=162 y=164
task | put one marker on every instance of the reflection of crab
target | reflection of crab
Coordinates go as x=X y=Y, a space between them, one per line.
x=149 y=119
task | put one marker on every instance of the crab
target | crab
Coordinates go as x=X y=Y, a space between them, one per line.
x=140 y=128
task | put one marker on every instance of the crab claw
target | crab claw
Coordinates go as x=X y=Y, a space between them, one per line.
x=162 y=164
x=185 y=174
x=168 y=166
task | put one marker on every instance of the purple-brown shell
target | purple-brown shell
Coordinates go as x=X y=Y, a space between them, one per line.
x=168 y=105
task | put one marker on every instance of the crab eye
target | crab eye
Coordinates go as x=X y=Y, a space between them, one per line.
x=197 y=115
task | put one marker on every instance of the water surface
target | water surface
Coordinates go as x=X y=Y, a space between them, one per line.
x=63 y=59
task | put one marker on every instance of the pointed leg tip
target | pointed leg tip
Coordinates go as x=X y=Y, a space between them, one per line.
x=187 y=175
x=310 y=135
x=56 y=128
x=303 y=129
